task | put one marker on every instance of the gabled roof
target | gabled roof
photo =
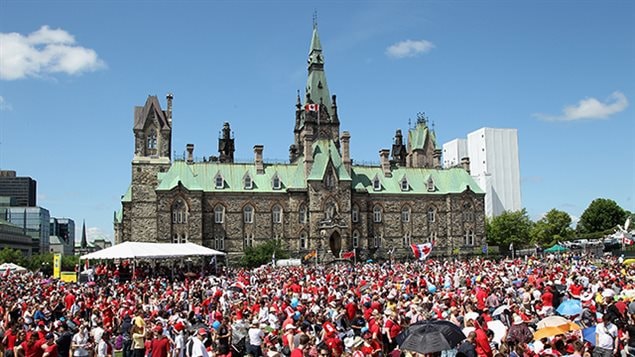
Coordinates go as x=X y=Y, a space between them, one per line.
x=127 y=197
x=152 y=106
x=454 y=180
x=324 y=151
x=417 y=137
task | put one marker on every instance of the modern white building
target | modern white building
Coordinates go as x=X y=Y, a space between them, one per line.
x=494 y=165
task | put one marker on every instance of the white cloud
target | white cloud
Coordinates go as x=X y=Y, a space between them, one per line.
x=43 y=52
x=92 y=233
x=409 y=48
x=4 y=105
x=590 y=108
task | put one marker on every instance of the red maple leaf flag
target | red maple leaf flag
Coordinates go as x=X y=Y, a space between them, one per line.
x=421 y=251
x=348 y=255
x=312 y=107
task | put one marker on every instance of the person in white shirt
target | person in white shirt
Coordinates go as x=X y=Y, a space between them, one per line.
x=102 y=347
x=179 y=340
x=606 y=341
x=198 y=347
x=255 y=339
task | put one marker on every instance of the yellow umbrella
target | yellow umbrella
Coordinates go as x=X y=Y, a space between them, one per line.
x=552 y=321
x=629 y=261
x=551 y=331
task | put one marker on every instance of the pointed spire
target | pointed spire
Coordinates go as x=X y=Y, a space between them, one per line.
x=84 y=243
x=316 y=87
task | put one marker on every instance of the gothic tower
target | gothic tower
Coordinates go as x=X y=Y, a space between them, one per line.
x=153 y=143
x=316 y=118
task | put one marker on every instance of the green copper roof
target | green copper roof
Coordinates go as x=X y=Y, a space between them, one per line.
x=455 y=180
x=119 y=216
x=417 y=136
x=202 y=176
x=127 y=197
x=324 y=151
x=316 y=82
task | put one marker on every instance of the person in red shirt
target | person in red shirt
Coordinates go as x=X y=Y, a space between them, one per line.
x=483 y=348
x=9 y=338
x=160 y=345
x=547 y=301
x=302 y=345
x=69 y=300
x=50 y=348
x=32 y=347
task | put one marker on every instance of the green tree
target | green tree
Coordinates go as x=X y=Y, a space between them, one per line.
x=8 y=255
x=602 y=214
x=553 y=227
x=263 y=253
x=509 y=227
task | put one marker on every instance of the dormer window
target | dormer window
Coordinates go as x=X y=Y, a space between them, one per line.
x=404 y=184
x=218 y=181
x=248 y=183
x=376 y=184
x=329 y=181
x=430 y=184
x=276 y=183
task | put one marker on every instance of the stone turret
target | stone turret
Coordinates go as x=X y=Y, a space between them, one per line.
x=346 y=151
x=260 y=166
x=385 y=163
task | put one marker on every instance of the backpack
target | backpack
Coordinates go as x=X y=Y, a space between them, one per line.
x=119 y=342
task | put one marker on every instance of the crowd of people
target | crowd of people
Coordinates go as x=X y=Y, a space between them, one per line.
x=355 y=310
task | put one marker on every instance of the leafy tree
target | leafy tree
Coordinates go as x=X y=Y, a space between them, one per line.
x=553 y=227
x=602 y=214
x=509 y=227
x=263 y=253
x=8 y=255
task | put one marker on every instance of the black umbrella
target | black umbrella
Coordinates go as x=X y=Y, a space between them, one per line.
x=430 y=336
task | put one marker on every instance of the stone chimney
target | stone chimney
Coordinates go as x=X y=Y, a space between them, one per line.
x=346 y=151
x=465 y=163
x=385 y=162
x=190 y=153
x=260 y=166
x=169 y=98
x=436 y=159
x=307 y=139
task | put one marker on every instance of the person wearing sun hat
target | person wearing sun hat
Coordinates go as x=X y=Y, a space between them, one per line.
x=198 y=347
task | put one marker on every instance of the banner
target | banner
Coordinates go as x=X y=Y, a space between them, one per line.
x=348 y=255
x=57 y=266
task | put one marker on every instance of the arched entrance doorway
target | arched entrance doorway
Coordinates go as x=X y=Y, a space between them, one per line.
x=335 y=243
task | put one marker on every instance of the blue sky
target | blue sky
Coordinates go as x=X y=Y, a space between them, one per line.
x=561 y=72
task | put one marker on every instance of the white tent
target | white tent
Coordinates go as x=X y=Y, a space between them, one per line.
x=143 y=250
x=11 y=267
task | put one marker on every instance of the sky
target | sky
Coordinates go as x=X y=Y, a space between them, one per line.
x=561 y=72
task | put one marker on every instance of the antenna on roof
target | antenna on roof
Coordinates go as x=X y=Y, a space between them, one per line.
x=314 y=19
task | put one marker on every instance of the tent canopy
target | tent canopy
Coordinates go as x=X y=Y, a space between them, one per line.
x=11 y=267
x=144 y=250
x=557 y=248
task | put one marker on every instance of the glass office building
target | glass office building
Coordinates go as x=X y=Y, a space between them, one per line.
x=36 y=222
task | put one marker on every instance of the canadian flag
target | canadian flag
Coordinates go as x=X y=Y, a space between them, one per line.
x=312 y=107
x=628 y=241
x=421 y=251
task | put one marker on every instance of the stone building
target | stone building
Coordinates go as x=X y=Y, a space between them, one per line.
x=319 y=201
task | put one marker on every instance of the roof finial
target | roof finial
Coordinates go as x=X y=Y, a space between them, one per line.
x=314 y=19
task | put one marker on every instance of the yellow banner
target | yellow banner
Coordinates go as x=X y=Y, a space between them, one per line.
x=57 y=265
x=68 y=276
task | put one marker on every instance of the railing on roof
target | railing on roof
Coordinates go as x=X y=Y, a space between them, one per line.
x=368 y=163
x=200 y=159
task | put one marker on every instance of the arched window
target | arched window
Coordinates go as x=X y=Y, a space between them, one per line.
x=430 y=184
x=404 y=184
x=219 y=242
x=303 y=241
x=468 y=213
x=179 y=212
x=152 y=140
x=248 y=214
x=179 y=239
x=355 y=214
x=276 y=183
x=219 y=214
x=407 y=239
x=405 y=214
x=377 y=241
x=469 y=237
x=302 y=214
x=248 y=240
x=376 y=184
x=276 y=214
x=433 y=237
x=355 y=239
x=248 y=183
x=218 y=181
x=431 y=214
x=377 y=214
